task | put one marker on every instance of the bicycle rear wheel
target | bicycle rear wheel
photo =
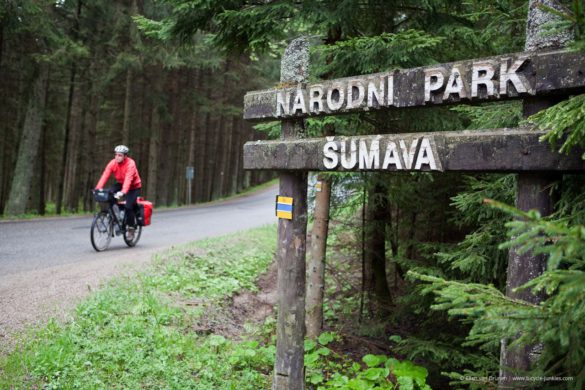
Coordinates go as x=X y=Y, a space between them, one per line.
x=134 y=241
x=101 y=231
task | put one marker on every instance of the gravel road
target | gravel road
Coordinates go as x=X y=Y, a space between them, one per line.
x=47 y=265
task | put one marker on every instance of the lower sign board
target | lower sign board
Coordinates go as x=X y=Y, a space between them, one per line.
x=284 y=207
x=492 y=150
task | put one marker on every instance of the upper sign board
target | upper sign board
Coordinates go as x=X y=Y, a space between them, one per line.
x=495 y=78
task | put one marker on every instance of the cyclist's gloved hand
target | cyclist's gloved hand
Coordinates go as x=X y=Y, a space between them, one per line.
x=119 y=195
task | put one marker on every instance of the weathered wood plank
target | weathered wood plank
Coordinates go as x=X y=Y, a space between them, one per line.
x=502 y=77
x=496 y=150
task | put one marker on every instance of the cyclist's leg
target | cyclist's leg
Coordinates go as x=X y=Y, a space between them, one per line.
x=113 y=189
x=131 y=197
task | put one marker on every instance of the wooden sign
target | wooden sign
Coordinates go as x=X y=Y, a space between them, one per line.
x=497 y=150
x=494 y=78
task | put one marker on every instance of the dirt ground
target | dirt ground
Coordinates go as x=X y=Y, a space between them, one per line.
x=36 y=297
x=246 y=307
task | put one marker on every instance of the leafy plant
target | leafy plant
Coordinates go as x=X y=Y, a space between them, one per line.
x=327 y=369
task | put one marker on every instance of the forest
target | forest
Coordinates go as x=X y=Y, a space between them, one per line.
x=416 y=262
x=79 y=77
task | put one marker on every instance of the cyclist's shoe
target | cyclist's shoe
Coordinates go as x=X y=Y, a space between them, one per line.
x=130 y=233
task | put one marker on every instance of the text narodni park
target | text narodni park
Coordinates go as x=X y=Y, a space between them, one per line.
x=494 y=78
x=487 y=79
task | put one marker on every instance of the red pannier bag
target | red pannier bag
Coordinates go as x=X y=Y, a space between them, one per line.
x=144 y=212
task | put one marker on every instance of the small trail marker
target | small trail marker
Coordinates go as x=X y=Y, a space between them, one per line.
x=284 y=207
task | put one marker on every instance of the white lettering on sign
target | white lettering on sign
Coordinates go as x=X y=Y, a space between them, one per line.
x=282 y=103
x=391 y=157
x=475 y=80
x=390 y=94
x=511 y=76
x=369 y=157
x=316 y=98
x=455 y=85
x=330 y=159
x=425 y=155
x=483 y=73
x=366 y=154
x=333 y=104
x=345 y=162
x=434 y=80
x=299 y=103
x=355 y=100
x=375 y=92
x=408 y=154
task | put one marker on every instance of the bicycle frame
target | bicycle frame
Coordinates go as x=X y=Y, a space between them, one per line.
x=121 y=224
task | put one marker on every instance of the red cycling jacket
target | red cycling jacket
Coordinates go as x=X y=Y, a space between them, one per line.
x=125 y=172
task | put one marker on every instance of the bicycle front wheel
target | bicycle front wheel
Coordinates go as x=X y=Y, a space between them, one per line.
x=101 y=231
x=134 y=241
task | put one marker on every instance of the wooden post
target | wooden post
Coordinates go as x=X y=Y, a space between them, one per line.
x=289 y=364
x=533 y=192
x=316 y=276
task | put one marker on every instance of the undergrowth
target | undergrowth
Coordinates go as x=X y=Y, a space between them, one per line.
x=142 y=331
x=136 y=332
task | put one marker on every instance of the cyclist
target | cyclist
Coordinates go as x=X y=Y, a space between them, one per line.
x=129 y=184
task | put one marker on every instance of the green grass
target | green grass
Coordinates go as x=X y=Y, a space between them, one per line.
x=137 y=332
x=145 y=332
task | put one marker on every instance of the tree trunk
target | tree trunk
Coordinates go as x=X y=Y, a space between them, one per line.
x=91 y=174
x=202 y=140
x=29 y=144
x=290 y=331
x=207 y=164
x=316 y=277
x=235 y=157
x=153 y=150
x=179 y=152
x=227 y=155
x=193 y=135
x=219 y=146
x=44 y=145
x=1 y=43
x=533 y=192
x=127 y=108
x=61 y=192
x=75 y=155
x=65 y=155
x=377 y=210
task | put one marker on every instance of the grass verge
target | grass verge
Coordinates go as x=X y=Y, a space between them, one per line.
x=137 y=332
x=165 y=328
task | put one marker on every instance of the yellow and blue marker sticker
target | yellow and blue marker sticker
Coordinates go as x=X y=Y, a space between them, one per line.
x=284 y=207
